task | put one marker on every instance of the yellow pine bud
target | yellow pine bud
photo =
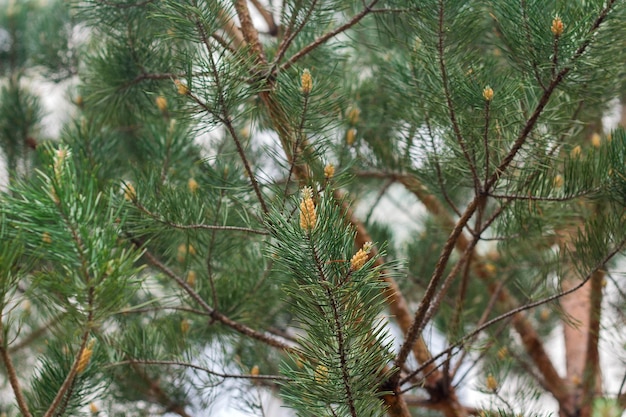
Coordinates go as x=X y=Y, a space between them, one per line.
x=191 y=278
x=353 y=115
x=596 y=140
x=55 y=197
x=557 y=26
x=93 y=408
x=350 y=136
x=503 y=352
x=329 y=171
x=129 y=192
x=558 y=181
x=79 y=101
x=183 y=250
x=60 y=156
x=544 y=314
x=306 y=82
x=192 y=184
x=321 y=373
x=46 y=238
x=490 y=268
x=161 y=103
x=254 y=371
x=85 y=357
x=575 y=153
x=184 y=326
x=492 y=383
x=488 y=93
x=359 y=258
x=182 y=89
x=308 y=217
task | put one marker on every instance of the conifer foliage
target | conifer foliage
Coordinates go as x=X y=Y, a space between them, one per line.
x=210 y=227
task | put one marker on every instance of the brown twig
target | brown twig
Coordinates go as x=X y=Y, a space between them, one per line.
x=450 y=105
x=319 y=41
x=161 y=396
x=267 y=16
x=250 y=33
x=516 y=312
x=198 y=368
x=215 y=315
x=12 y=374
x=35 y=334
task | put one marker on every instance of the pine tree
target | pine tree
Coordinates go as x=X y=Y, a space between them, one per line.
x=208 y=221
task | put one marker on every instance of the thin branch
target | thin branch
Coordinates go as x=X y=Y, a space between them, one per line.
x=483 y=318
x=486 y=139
x=442 y=188
x=383 y=190
x=290 y=36
x=442 y=262
x=35 y=334
x=162 y=397
x=12 y=374
x=446 y=89
x=198 y=368
x=226 y=119
x=516 y=311
x=543 y=101
x=436 y=301
x=555 y=55
x=529 y=42
x=68 y=383
x=215 y=315
x=70 y=378
x=317 y=42
x=215 y=227
x=540 y=198
x=267 y=16
x=231 y=29
x=296 y=145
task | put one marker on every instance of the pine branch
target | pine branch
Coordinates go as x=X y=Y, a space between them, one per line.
x=162 y=397
x=414 y=330
x=214 y=314
x=231 y=29
x=12 y=374
x=250 y=33
x=267 y=16
x=322 y=39
x=529 y=42
x=35 y=334
x=543 y=101
x=225 y=117
x=450 y=105
x=514 y=313
x=200 y=226
x=291 y=35
x=529 y=336
x=199 y=368
x=400 y=311
x=71 y=376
